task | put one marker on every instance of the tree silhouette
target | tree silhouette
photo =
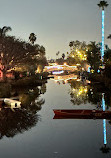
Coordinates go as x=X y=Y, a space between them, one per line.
x=103 y=4
x=94 y=55
x=109 y=37
x=16 y=53
x=20 y=120
x=105 y=149
x=12 y=123
x=4 y=30
x=32 y=38
x=63 y=56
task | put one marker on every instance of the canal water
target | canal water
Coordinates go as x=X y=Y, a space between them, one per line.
x=37 y=135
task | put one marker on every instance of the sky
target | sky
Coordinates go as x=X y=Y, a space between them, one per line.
x=55 y=22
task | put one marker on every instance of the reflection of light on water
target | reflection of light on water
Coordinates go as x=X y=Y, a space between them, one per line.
x=104 y=129
x=65 y=78
x=57 y=72
x=80 y=92
x=78 y=79
x=104 y=120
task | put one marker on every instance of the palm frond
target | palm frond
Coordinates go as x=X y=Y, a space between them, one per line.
x=109 y=37
x=103 y=4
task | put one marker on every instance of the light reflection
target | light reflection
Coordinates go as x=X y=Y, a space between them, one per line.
x=79 y=92
x=104 y=120
x=104 y=149
x=104 y=131
x=65 y=78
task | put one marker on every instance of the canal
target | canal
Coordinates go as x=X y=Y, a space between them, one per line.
x=33 y=132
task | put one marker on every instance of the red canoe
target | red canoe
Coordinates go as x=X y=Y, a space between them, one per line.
x=84 y=113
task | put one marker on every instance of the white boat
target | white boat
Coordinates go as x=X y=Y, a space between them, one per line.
x=10 y=103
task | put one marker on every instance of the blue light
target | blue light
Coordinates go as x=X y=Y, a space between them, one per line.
x=104 y=120
x=104 y=128
x=103 y=102
x=102 y=51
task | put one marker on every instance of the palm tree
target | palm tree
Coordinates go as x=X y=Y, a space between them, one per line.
x=57 y=53
x=109 y=37
x=32 y=38
x=71 y=44
x=105 y=149
x=93 y=55
x=102 y=5
x=4 y=30
x=63 y=56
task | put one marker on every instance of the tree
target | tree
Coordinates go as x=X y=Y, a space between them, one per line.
x=107 y=56
x=14 y=53
x=57 y=53
x=78 y=92
x=4 y=30
x=78 y=52
x=109 y=37
x=102 y=5
x=63 y=56
x=107 y=61
x=93 y=55
x=32 y=38
x=42 y=51
x=105 y=149
x=71 y=44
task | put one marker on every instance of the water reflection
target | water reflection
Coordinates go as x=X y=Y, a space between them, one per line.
x=81 y=92
x=12 y=123
x=78 y=92
x=105 y=148
x=65 y=78
x=24 y=118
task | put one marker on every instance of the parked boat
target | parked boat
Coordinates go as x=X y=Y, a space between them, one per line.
x=10 y=103
x=81 y=114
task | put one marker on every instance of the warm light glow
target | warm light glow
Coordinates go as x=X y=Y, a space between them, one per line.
x=57 y=72
x=85 y=90
x=92 y=71
x=73 y=89
x=82 y=90
x=65 y=63
x=65 y=81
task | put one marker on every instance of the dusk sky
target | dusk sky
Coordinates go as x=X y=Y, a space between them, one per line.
x=55 y=22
